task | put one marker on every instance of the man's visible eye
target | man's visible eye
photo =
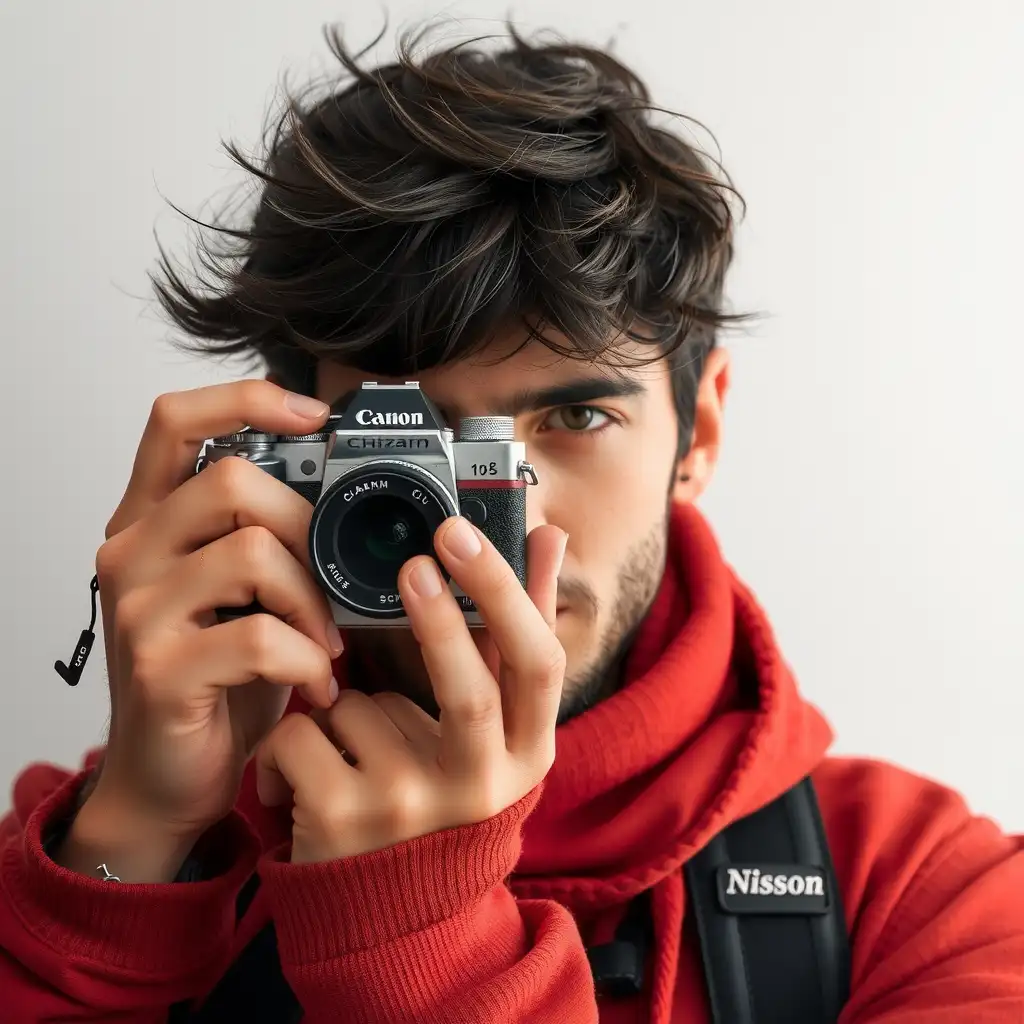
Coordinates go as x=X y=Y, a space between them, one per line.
x=578 y=419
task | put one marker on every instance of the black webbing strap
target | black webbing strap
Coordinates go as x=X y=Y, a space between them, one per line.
x=618 y=966
x=770 y=919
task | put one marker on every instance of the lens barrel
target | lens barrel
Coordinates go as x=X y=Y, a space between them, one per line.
x=367 y=525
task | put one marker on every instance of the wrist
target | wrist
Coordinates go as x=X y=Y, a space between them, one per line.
x=133 y=846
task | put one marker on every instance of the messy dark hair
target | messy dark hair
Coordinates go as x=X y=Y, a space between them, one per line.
x=419 y=207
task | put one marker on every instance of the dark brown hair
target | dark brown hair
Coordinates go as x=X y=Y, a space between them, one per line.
x=417 y=207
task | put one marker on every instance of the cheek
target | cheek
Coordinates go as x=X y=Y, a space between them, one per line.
x=606 y=501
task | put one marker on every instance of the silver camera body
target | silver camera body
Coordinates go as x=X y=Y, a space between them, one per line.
x=383 y=473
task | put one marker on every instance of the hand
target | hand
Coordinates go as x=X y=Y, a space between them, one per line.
x=413 y=775
x=190 y=696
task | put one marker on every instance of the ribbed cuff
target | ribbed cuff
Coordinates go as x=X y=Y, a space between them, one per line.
x=162 y=929
x=335 y=908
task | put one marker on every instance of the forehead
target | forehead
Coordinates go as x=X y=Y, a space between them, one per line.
x=491 y=383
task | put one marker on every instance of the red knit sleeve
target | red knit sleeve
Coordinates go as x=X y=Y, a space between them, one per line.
x=77 y=948
x=934 y=897
x=428 y=931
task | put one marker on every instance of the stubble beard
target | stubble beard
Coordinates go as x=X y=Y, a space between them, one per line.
x=638 y=581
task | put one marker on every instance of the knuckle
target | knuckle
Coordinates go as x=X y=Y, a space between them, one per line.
x=405 y=802
x=166 y=412
x=254 y=545
x=254 y=391
x=476 y=711
x=556 y=661
x=549 y=667
x=148 y=662
x=262 y=637
x=232 y=477
x=108 y=560
x=128 y=612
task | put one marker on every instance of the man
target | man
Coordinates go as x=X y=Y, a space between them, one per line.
x=445 y=822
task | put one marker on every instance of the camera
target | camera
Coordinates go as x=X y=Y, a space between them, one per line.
x=382 y=475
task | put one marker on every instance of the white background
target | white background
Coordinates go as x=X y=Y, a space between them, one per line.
x=872 y=487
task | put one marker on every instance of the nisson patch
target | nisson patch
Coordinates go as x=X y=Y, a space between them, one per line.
x=772 y=889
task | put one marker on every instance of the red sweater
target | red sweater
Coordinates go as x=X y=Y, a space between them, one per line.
x=488 y=923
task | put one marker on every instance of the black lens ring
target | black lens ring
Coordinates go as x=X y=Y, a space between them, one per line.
x=403 y=479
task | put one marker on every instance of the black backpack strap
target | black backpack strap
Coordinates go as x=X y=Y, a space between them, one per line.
x=770 y=918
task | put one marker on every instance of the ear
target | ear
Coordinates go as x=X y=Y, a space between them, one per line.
x=695 y=470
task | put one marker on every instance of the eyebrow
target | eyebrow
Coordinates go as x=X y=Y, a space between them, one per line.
x=572 y=392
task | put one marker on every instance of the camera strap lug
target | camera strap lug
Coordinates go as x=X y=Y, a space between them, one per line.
x=525 y=469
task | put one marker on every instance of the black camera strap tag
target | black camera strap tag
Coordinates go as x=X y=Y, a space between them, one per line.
x=72 y=672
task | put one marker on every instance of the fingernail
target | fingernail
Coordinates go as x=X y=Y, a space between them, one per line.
x=425 y=579
x=332 y=690
x=561 y=557
x=306 y=407
x=461 y=539
x=334 y=643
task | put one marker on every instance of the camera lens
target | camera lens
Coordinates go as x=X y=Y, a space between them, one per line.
x=379 y=536
x=367 y=525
